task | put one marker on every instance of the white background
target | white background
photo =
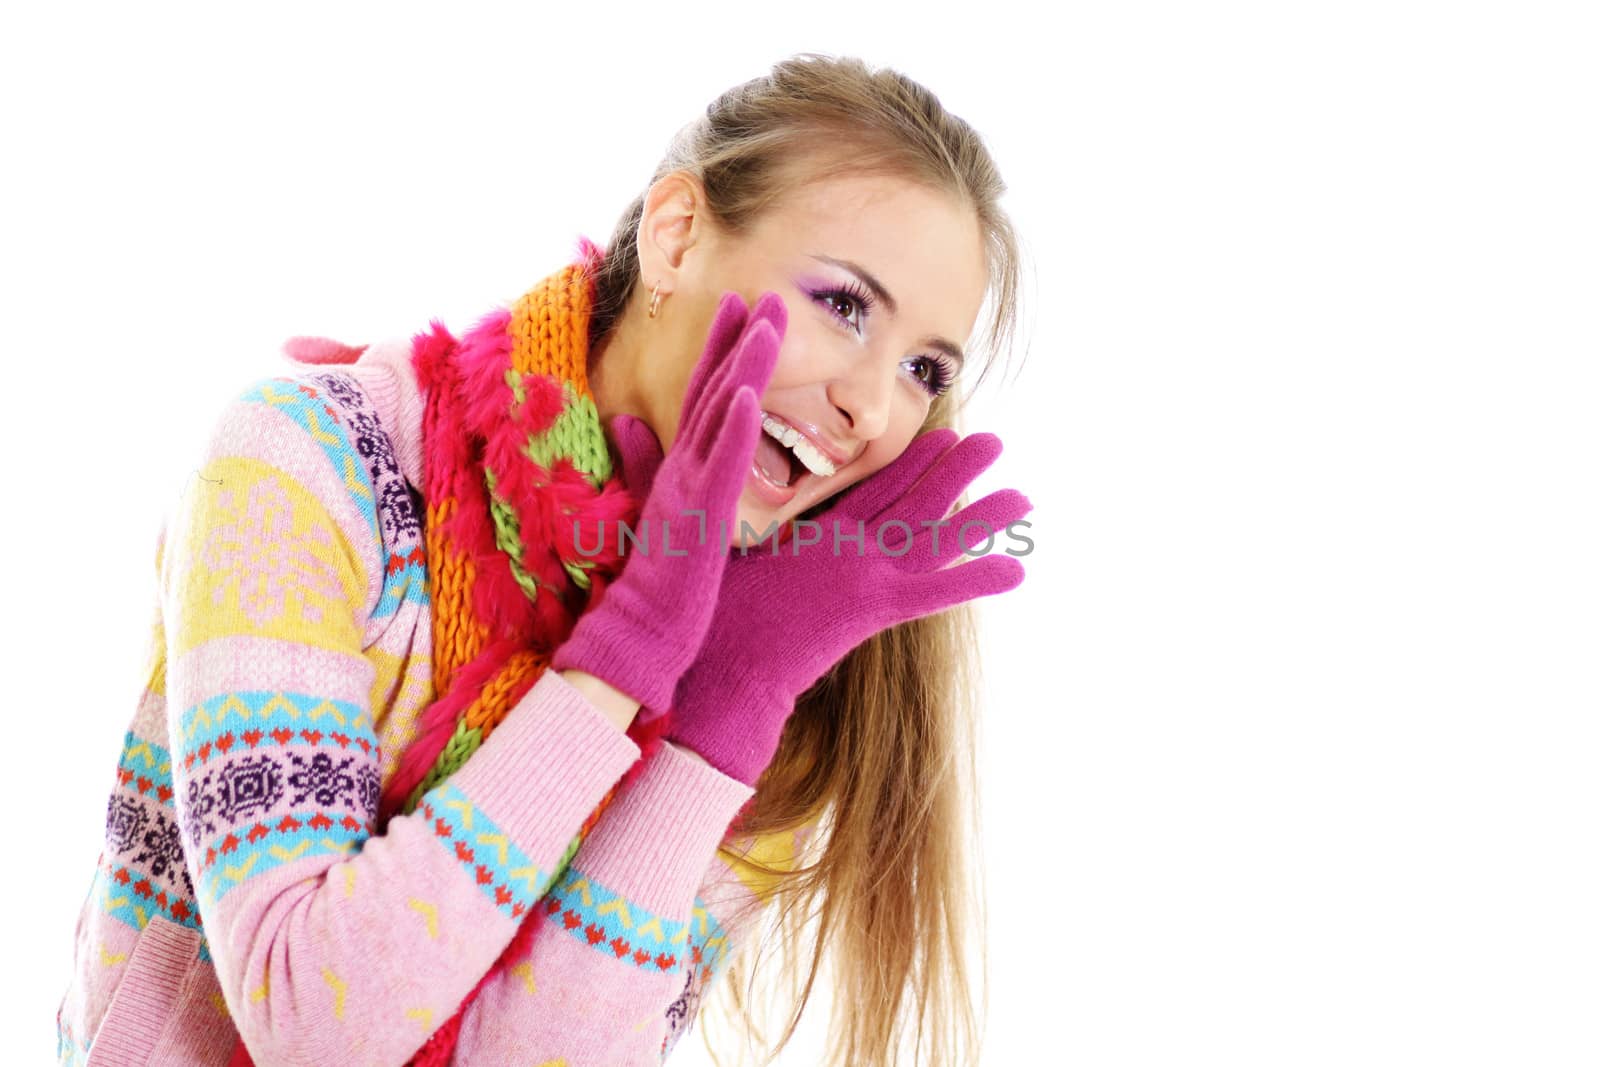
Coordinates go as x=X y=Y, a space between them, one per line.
x=1289 y=746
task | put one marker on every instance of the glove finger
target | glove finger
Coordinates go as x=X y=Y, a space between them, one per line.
x=870 y=496
x=746 y=363
x=933 y=495
x=752 y=365
x=754 y=353
x=970 y=528
x=770 y=306
x=726 y=327
x=933 y=591
x=730 y=458
x=639 y=453
x=749 y=367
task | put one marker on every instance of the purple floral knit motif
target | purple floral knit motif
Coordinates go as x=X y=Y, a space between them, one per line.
x=151 y=837
x=397 y=505
x=268 y=784
x=681 y=1012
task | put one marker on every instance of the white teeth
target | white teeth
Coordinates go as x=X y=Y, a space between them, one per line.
x=791 y=438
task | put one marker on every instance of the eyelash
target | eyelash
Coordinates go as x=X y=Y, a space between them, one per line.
x=943 y=373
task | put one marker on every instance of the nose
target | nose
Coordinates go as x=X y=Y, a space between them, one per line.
x=862 y=395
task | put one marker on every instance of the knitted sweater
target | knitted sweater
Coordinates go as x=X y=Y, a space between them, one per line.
x=242 y=888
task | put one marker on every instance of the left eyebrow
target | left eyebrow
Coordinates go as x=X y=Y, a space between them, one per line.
x=948 y=347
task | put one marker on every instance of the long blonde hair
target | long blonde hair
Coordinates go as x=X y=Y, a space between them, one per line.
x=879 y=756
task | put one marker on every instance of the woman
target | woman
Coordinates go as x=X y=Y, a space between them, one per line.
x=461 y=745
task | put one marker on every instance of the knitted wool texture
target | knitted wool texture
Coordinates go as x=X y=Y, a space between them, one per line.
x=517 y=475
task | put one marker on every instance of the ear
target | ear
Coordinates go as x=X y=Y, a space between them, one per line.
x=672 y=221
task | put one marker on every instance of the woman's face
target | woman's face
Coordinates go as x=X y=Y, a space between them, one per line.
x=879 y=278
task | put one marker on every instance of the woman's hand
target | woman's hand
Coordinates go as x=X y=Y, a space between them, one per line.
x=638 y=454
x=784 y=617
x=644 y=631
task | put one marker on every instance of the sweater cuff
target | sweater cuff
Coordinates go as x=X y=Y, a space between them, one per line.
x=660 y=834
x=548 y=764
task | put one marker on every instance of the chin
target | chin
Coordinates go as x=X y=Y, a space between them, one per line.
x=759 y=516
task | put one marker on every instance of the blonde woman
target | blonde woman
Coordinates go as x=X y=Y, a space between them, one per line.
x=502 y=685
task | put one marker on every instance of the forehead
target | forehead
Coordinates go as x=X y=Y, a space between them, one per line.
x=922 y=244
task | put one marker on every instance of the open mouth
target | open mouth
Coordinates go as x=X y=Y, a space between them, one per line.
x=787 y=457
x=780 y=465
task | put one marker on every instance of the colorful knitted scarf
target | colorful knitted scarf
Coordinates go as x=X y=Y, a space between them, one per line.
x=513 y=456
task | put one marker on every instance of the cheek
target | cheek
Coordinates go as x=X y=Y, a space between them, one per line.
x=882 y=452
x=905 y=421
x=802 y=359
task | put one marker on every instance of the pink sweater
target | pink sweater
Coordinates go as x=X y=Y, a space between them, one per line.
x=241 y=888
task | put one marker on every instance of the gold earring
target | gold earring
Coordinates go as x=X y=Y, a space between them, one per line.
x=655 y=300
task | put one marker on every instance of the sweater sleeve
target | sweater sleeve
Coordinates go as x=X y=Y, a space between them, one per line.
x=334 y=944
x=729 y=912
x=655 y=901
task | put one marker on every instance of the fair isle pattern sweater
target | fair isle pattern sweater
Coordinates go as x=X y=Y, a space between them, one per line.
x=241 y=888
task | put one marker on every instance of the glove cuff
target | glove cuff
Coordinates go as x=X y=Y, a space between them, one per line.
x=735 y=728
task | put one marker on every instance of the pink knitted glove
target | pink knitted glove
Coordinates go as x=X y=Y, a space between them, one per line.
x=638 y=453
x=783 y=620
x=644 y=631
